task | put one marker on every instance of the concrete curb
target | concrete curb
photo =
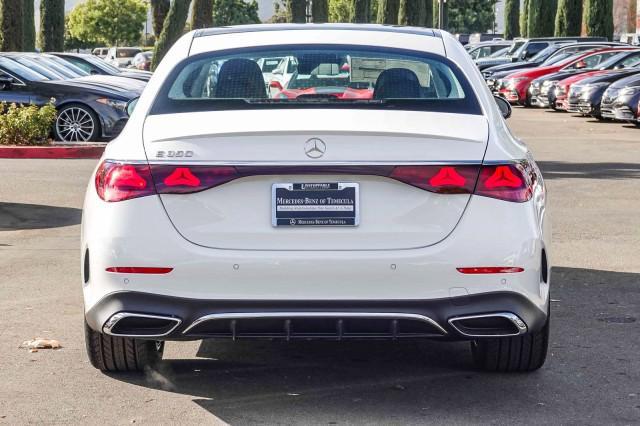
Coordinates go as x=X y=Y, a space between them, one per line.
x=78 y=151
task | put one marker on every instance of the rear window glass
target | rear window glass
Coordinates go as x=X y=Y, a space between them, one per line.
x=321 y=77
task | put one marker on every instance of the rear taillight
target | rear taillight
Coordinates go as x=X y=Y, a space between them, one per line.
x=509 y=182
x=118 y=182
x=439 y=179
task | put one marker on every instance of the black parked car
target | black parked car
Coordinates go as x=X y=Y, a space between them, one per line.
x=620 y=100
x=549 y=89
x=550 y=55
x=586 y=96
x=528 y=48
x=89 y=108
x=94 y=65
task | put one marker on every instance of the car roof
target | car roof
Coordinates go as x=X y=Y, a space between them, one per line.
x=315 y=27
x=384 y=36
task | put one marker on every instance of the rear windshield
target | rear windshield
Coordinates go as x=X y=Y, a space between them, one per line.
x=320 y=77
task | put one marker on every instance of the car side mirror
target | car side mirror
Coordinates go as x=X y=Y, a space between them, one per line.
x=93 y=72
x=275 y=84
x=131 y=105
x=504 y=106
x=5 y=83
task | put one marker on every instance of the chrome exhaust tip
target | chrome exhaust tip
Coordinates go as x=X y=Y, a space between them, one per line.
x=129 y=324
x=499 y=324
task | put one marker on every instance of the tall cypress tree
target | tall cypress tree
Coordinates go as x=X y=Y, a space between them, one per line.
x=524 y=19
x=598 y=18
x=428 y=13
x=201 y=14
x=388 y=12
x=511 y=19
x=11 y=21
x=51 y=37
x=297 y=11
x=320 y=11
x=569 y=18
x=159 y=10
x=28 y=26
x=549 y=10
x=361 y=11
x=412 y=12
x=171 y=30
x=541 y=17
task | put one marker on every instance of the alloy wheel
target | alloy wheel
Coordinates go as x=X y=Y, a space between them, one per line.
x=75 y=124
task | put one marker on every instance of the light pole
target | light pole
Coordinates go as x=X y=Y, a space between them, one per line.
x=441 y=6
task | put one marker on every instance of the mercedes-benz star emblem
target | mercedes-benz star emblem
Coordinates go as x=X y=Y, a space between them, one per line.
x=315 y=148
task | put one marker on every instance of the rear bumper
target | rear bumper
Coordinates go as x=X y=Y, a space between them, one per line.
x=290 y=319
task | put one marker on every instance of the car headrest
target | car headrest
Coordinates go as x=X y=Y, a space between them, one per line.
x=397 y=83
x=240 y=78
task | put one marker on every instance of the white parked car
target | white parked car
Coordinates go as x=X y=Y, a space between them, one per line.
x=281 y=75
x=100 y=52
x=386 y=199
x=122 y=57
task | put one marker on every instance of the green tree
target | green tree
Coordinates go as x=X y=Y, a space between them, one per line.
x=598 y=18
x=511 y=19
x=297 y=11
x=28 y=26
x=361 y=11
x=11 y=21
x=569 y=18
x=341 y=11
x=541 y=18
x=51 y=37
x=172 y=29
x=234 y=12
x=428 y=10
x=469 y=16
x=524 y=19
x=279 y=13
x=412 y=12
x=388 y=12
x=201 y=14
x=549 y=11
x=159 y=10
x=320 y=11
x=111 y=22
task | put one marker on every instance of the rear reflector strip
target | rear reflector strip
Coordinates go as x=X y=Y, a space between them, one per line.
x=491 y=270
x=138 y=270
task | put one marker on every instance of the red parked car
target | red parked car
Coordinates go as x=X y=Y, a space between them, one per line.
x=515 y=87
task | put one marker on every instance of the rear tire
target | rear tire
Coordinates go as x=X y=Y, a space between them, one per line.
x=120 y=354
x=512 y=354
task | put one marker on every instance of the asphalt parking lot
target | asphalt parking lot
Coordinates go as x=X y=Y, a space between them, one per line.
x=592 y=375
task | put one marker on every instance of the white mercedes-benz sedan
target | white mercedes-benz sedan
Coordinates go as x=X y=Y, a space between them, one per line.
x=378 y=194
